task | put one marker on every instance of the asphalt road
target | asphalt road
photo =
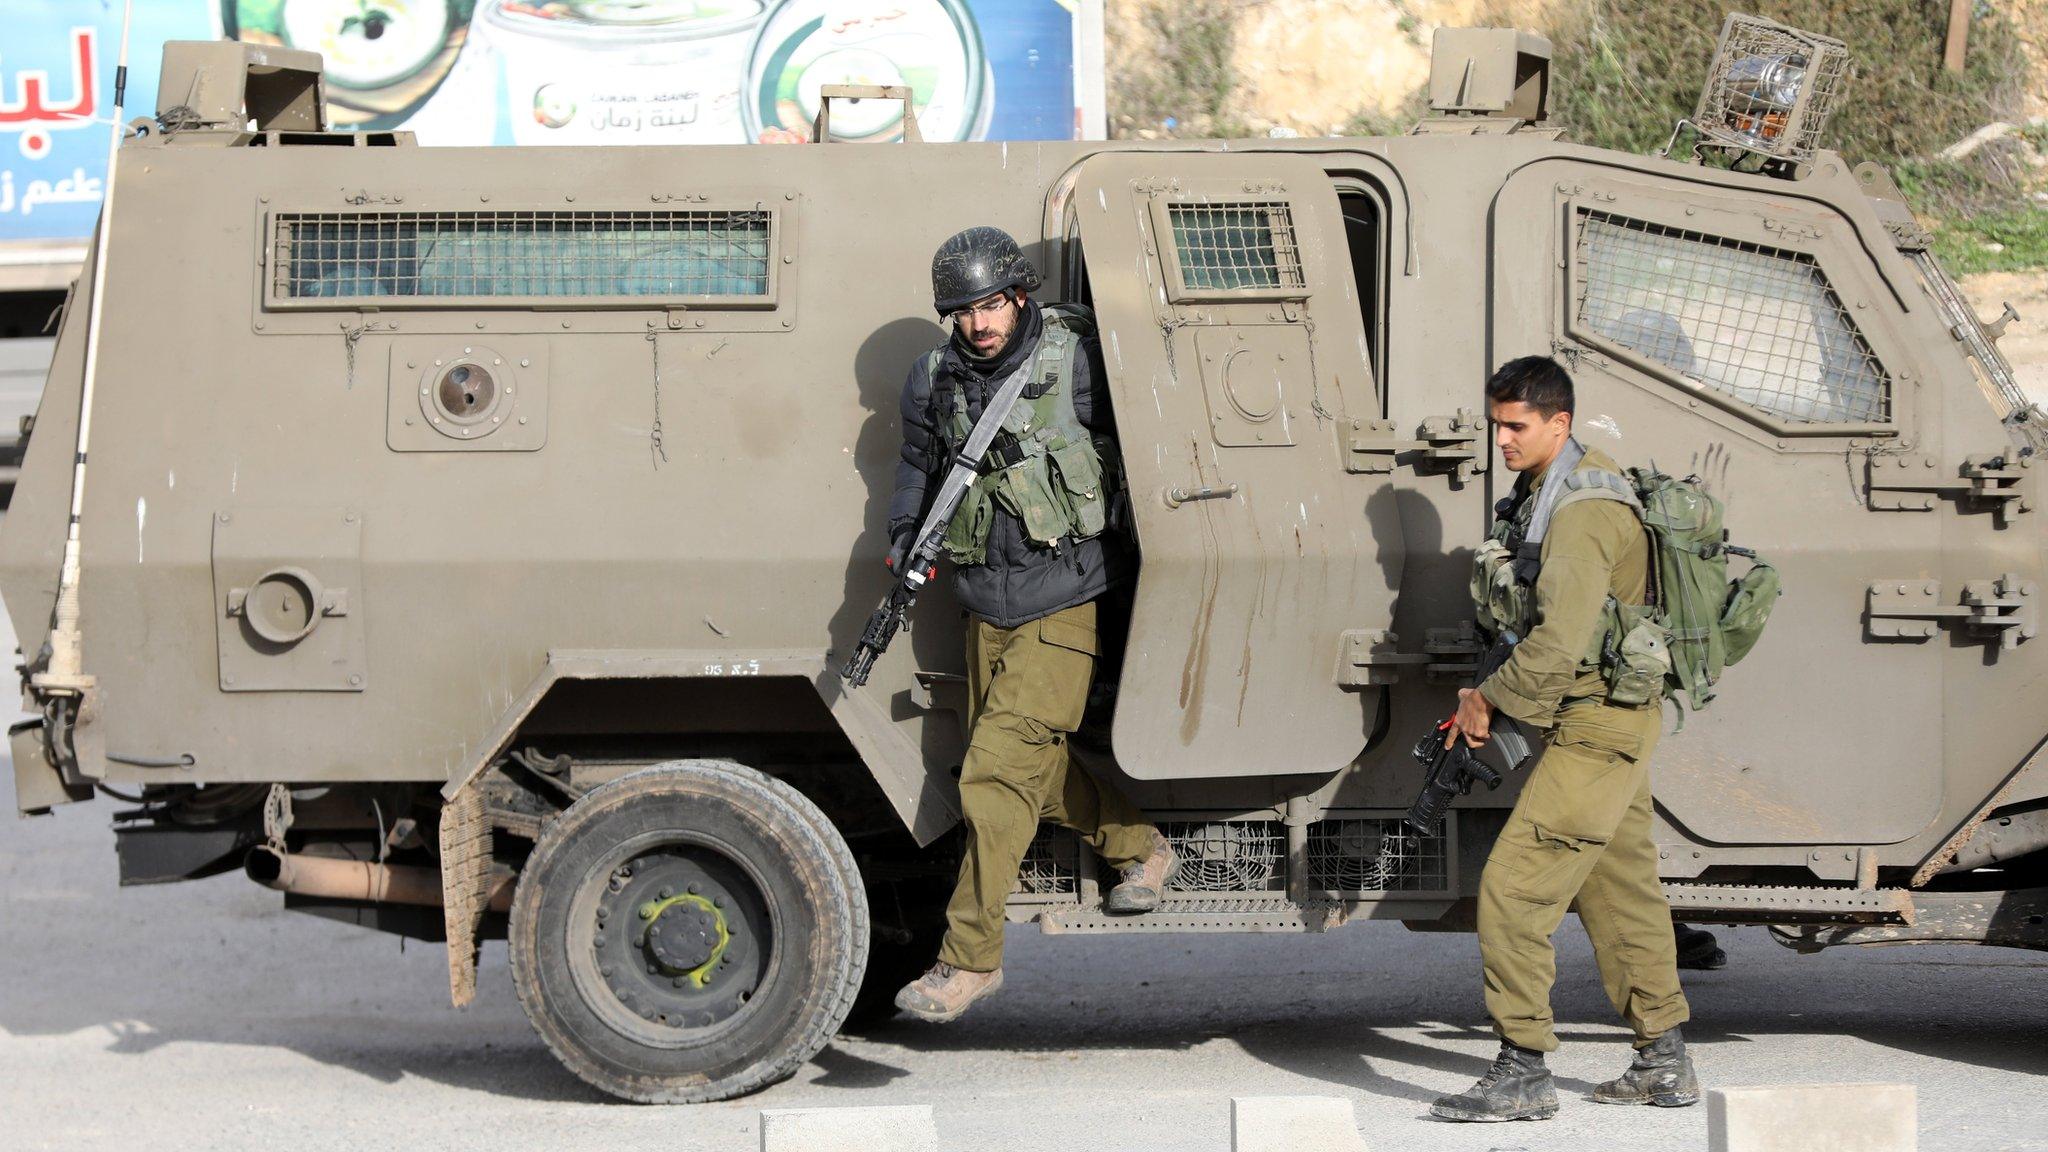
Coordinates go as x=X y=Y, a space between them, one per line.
x=202 y=1015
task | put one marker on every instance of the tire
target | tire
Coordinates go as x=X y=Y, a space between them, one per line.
x=690 y=932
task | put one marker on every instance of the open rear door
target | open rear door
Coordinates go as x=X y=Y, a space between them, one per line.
x=1237 y=363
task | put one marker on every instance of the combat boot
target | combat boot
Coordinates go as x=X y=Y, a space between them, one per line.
x=1144 y=880
x=1517 y=1087
x=1661 y=1074
x=1697 y=948
x=942 y=994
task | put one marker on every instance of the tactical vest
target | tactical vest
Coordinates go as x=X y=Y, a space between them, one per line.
x=1044 y=467
x=1631 y=648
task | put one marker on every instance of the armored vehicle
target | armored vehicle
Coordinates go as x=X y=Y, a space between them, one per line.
x=472 y=537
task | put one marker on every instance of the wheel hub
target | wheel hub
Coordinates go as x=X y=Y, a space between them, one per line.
x=678 y=941
x=686 y=935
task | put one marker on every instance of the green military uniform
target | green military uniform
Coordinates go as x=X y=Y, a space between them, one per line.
x=1579 y=836
x=1026 y=689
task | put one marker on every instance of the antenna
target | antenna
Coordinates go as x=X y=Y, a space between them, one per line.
x=65 y=674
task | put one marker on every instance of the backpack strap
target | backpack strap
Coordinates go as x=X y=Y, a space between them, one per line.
x=1561 y=490
x=1053 y=360
x=1598 y=484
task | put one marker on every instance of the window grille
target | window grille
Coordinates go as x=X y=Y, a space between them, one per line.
x=1758 y=325
x=514 y=256
x=1227 y=856
x=1229 y=247
x=1050 y=863
x=1375 y=855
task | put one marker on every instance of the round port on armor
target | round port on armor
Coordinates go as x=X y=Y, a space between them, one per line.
x=283 y=606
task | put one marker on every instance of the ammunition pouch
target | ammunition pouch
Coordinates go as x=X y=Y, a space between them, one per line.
x=1501 y=602
x=1635 y=654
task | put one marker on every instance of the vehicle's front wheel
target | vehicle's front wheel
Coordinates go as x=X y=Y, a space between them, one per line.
x=693 y=931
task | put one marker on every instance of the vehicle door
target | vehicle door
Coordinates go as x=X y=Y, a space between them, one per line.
x=1238 y=370
x=1752 y=333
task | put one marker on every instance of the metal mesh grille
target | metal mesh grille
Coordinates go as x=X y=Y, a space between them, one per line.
x=1231 y=246
x=1227 y=857
x=505 y=256
x=1756 y=324
x=1375 y=855
x=1771 y=89
x=1049 y=865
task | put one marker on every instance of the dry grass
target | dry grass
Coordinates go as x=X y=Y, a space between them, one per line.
x=1174 y=72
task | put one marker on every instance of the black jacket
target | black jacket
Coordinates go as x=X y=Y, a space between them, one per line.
x=1018 y=581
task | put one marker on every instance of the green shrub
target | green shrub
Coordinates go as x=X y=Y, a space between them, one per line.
x=2000 y=240
x=1625 y=72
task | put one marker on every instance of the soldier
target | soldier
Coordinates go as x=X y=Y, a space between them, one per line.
x=1580 y=832
x=1033 y=558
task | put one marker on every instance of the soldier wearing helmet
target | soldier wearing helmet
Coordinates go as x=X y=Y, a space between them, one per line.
x=1034 y=549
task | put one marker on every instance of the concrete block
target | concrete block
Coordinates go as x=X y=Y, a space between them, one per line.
x=1293 y=1124
x=907 y=1128
x=1814 y=1118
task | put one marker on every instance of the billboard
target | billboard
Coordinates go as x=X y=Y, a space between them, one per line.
x=57 y=105
x=575 y=72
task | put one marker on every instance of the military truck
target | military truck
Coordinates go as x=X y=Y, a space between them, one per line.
x=472 y=536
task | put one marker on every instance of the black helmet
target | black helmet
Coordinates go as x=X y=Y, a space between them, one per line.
x=979 y=262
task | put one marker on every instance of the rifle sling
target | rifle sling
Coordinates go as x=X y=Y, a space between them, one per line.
x=967 y=465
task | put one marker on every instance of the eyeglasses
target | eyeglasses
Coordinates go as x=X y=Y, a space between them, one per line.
x=986 y=308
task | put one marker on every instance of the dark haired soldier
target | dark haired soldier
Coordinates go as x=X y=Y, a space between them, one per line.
x=1032 y=555
x=1579 y=835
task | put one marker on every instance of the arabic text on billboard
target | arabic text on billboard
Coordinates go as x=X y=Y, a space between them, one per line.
x=481 y=72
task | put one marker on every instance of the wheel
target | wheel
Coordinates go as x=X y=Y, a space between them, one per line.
x=693 y=931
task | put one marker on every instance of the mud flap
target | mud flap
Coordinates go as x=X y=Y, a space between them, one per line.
x=465 y=887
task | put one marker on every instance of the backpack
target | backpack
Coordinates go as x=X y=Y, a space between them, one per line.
x=1699 y=621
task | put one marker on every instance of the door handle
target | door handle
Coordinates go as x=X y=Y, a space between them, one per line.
x=1177 y=496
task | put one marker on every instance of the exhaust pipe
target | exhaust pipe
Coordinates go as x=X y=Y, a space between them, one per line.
x=359 y=880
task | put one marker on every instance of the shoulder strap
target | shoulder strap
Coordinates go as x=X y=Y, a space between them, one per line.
x=1052 y=362
x=1546 y=497
x=1597 y=484
x=1566 y=484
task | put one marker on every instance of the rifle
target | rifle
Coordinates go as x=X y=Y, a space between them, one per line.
x=920 y=563
x=1451 y=772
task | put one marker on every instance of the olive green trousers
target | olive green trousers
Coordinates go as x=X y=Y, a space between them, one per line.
x=1579 y=839
x=1026 y=689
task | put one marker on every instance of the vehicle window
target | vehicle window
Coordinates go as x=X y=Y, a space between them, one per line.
x=1365 y=236
x=512 y=255
x=1756 y=324
x=1233 y=246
